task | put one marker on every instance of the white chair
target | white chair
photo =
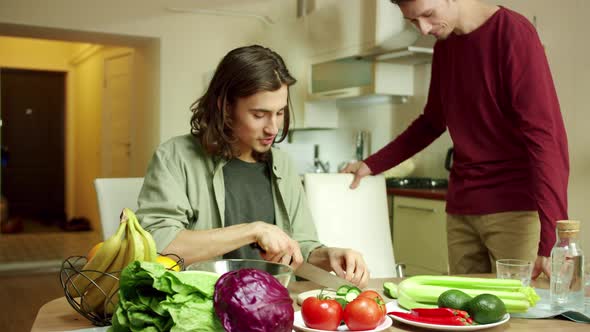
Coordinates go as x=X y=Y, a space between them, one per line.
x=356 y=219
x=115 y=194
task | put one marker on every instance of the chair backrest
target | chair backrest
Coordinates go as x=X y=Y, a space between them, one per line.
x=115 y=194
x=356 y=219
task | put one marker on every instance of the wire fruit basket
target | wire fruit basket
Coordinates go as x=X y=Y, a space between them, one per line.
x=98 y=300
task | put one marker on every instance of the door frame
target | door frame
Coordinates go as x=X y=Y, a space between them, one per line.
x=105 y=134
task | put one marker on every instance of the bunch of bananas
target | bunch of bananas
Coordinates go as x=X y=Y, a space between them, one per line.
x=97 y=283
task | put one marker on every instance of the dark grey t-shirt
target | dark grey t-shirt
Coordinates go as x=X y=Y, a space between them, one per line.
x=248 y=198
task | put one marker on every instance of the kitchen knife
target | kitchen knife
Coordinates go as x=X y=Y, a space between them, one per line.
x=320 y=276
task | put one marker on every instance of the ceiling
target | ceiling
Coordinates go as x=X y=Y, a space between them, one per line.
x=108 y=11
x=92 y=15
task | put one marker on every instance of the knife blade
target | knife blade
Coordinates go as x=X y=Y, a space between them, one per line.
x=315 y=274
x=319 y=276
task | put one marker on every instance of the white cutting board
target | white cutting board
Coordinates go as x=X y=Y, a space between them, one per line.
x=353 y=218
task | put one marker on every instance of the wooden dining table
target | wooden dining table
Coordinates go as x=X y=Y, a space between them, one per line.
x=58 y=315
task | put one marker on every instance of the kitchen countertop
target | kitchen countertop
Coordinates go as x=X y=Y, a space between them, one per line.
x=439 y=194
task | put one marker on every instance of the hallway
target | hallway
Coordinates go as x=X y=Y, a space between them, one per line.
x=25 y=251
x=29 y=272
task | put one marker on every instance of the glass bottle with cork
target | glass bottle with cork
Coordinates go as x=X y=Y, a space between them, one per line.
x=567 y=268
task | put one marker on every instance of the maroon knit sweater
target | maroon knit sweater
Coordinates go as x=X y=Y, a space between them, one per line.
x=492 y=88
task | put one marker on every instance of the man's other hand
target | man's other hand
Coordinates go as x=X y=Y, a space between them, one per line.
x=359 y=169
x=542 y=264
x=348 y=264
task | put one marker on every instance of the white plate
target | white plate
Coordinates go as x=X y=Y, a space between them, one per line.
x=299 y=325
x=393 y=306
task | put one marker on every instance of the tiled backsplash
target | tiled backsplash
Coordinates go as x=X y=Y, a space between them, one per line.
x=335 y=147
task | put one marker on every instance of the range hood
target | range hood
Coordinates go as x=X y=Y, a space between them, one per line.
x=418 y=52
x=395 y=39
x=386 y=69
x=363 y=48
x=369 y=29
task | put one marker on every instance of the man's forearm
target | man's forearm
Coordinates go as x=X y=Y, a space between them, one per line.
x=200 y=245
x=415 y=138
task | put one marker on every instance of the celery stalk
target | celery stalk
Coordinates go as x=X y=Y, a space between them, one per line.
x=408 y=303
x=423 y=291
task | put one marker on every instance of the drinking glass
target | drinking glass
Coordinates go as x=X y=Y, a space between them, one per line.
x=587 y=288
x=514 y=269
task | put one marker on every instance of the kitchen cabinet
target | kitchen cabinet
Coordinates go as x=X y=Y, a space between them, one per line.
x=319 y=114
x=420 y=235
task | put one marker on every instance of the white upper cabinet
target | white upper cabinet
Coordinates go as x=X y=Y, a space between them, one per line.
x=343 y=28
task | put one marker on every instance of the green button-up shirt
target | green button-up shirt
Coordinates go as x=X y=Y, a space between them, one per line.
x=184 y=189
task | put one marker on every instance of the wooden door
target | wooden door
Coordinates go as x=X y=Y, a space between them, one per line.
x=33 y=120
x=116 y=132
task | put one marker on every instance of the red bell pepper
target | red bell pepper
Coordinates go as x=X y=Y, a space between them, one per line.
x=453 y=320
x=439 y=312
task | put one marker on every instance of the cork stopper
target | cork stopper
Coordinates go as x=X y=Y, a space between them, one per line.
x=568 y=228
x=568 y=225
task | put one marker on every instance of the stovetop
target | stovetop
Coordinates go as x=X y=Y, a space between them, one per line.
x=416 y=183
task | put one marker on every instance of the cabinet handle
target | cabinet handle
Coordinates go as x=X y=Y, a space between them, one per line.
x=419 y=208
x=332 y=94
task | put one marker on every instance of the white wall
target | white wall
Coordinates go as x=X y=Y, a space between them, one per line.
x=88 y=80
x=190 y=45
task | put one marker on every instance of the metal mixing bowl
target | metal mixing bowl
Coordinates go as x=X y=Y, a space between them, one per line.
x=282 y=272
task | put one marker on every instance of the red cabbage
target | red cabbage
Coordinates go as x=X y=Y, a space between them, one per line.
x=252 y=300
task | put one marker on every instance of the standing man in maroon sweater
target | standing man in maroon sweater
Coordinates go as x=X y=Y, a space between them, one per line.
x=492 y=88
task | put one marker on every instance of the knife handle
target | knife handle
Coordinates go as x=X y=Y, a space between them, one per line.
x=256 y=246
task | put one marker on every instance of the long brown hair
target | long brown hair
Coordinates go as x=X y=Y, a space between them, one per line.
x=241 y=73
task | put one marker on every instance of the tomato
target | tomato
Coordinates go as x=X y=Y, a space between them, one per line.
x=321 y=314
x=363 y=313
x=376 y=297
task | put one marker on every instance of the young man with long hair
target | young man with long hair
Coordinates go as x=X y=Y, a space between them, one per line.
x=223 y=190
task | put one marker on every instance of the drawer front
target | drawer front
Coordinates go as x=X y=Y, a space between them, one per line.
x=419 y=235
